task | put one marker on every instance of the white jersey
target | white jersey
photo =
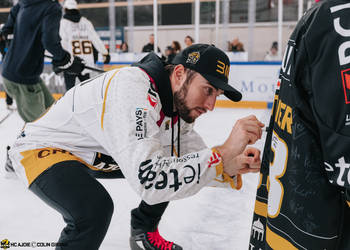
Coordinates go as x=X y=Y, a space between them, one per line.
x=78 y=38
x=118 y=113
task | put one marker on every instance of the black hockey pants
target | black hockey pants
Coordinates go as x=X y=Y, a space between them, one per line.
x=84 y=203
x=147 y=217
x=71 y=188
x=69 y=79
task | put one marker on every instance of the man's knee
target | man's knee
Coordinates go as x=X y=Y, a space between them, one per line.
x=98 y=212
x=105 y=209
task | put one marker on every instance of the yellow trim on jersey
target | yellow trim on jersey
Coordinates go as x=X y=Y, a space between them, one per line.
x=260 y=208
x=348 y=203
x=105 y=98
x=240 y=104
x=225 y=177
x=36 y=161
x=175 y=152
x=277 y=242
x=57 y=96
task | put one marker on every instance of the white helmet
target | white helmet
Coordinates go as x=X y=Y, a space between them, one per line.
x=70 y=5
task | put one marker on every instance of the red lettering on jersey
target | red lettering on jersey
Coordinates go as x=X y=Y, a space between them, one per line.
x=152 y=100
x=346 y=84
x=214 y=159
x=347 y=81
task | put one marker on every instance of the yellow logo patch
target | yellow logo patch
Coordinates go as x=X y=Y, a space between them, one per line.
x=193 y=57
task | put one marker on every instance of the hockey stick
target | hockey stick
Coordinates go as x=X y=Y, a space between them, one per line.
x=85 y=67
x=6 y=116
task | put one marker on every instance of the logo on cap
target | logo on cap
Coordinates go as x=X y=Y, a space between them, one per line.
x=193 y=57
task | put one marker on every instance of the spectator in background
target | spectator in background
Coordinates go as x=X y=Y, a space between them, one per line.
x=78 y=37
x=176 y=46
x=229 y=45
x=189 y=41
x=237 y=46
x=169 y=54
x=124 y=48
x=149 y=46
x=272 y=54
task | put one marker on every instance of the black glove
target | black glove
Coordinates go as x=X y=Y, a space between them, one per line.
x=106 y=59
x=74 y=67
x=77 y=66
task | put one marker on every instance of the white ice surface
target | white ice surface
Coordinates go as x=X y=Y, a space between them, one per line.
x=214 y=219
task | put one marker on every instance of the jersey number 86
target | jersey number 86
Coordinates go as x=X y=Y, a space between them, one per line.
x=81 y=47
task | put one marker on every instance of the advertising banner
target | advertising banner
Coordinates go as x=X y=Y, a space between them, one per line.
x=256 y=81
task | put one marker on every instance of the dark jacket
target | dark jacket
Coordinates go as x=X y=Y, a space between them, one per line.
x=35 y=26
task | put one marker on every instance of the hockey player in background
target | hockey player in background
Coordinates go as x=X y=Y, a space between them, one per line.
x=142 y=116
x=303 y=197
x=79 y=37
x=35 y=28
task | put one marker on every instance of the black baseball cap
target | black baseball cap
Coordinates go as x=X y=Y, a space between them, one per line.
x=212 y=63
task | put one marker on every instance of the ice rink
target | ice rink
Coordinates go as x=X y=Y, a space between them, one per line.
x=214 y=219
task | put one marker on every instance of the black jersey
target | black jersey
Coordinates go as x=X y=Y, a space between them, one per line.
x=301 y=201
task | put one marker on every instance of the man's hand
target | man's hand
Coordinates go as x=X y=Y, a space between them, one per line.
x=235 y=157
x=247 y=162
x=72 y=65
x=77 y=66
x=245 y=132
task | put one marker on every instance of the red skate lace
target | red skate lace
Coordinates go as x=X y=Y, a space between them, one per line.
x=158 y=241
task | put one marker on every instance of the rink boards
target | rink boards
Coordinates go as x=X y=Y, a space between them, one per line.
x=255 y=80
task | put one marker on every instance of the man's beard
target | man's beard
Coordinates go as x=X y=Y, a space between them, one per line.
x=180 y=104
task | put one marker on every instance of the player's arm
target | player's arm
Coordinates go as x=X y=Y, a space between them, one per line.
x=10 y=23
x=50 y=34
x=191 y=141
x=133 y=136
x=63 y=34
x=96 y=41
